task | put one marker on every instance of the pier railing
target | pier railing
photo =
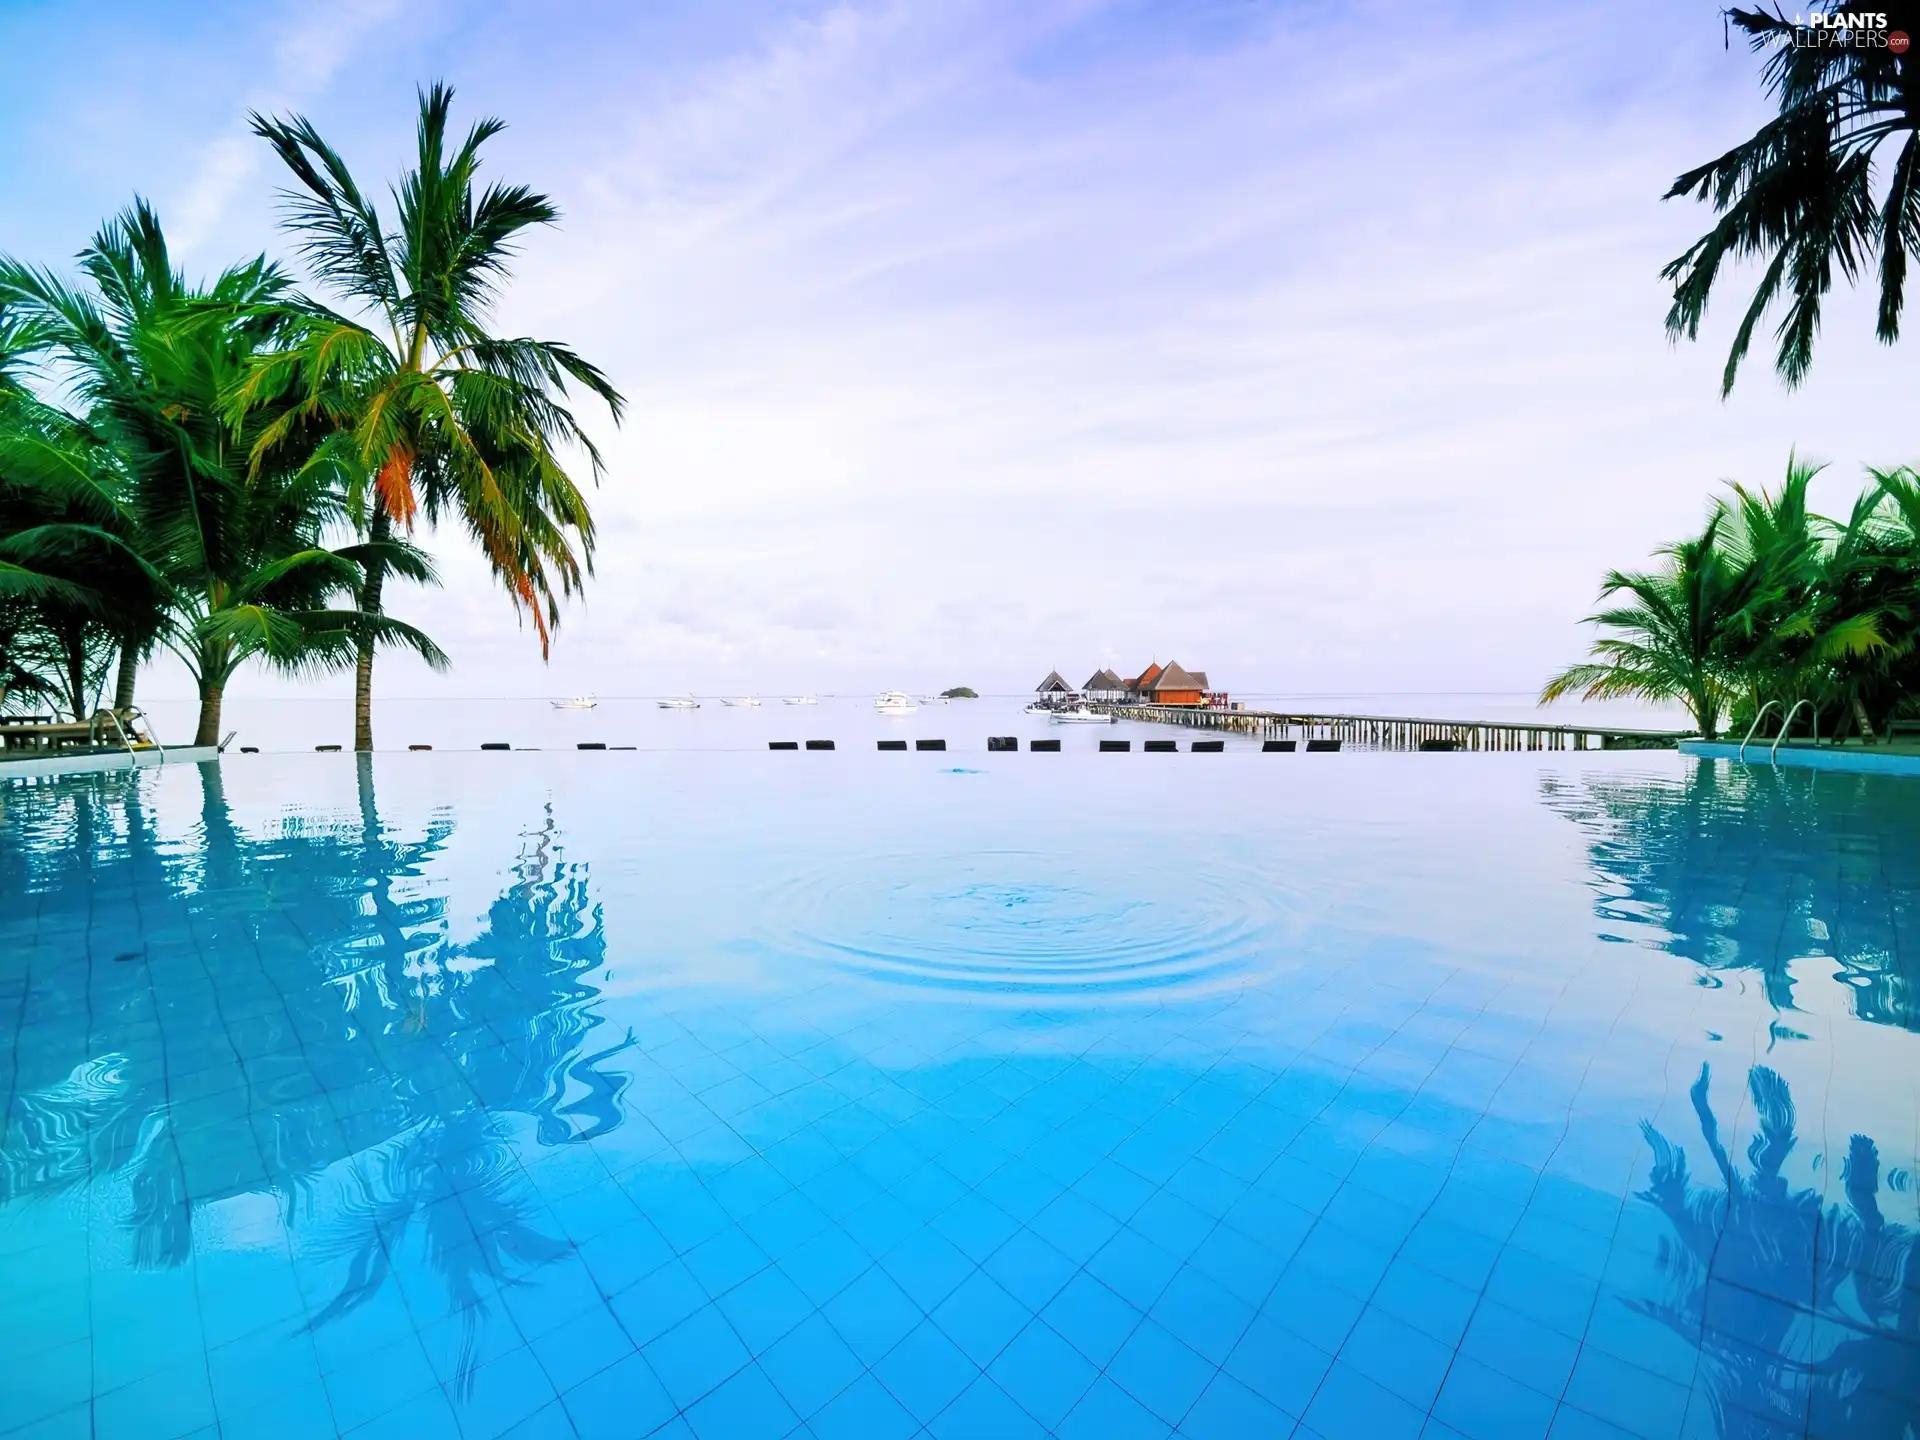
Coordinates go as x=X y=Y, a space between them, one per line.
x=1401 y=732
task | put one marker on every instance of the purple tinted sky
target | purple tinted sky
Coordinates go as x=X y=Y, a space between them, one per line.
x=1319 y=346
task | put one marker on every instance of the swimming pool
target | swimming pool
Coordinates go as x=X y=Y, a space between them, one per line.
x=851 y=1095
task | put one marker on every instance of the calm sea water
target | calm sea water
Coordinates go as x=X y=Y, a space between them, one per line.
x=301 y=724
x=857 y=1095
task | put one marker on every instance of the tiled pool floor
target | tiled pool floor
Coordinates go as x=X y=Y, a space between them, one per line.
x=695 y=1097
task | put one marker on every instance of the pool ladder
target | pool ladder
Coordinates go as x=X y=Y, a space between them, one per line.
x=133 y=756
x=1773 y=753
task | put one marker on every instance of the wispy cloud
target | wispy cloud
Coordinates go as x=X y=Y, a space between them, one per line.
x=316 y=42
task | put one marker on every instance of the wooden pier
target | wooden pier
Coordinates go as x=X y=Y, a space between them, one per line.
x=1400 y=732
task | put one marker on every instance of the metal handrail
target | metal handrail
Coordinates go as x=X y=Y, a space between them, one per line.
x=1770 y=705
x=93 y=729
x=1787 y=724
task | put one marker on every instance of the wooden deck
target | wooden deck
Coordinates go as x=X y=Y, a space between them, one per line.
x=1400 y=732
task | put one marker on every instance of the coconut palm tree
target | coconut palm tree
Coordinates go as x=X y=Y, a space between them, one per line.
x=443 y=417
x=236 y=547
x=1801 y=196
x=1671 y=629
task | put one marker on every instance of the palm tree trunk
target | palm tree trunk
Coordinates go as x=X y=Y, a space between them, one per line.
x=209 y=731
x=381 y=529
x=129 y=672
x=76 y=674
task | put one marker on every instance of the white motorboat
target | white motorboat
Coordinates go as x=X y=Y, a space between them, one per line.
x=752 y=700
x=1080 y=715
x=578 y=702
x=680 y=703
x=895 y=702
x=800 y=700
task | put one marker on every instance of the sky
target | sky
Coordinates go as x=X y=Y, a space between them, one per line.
x=1316 y=346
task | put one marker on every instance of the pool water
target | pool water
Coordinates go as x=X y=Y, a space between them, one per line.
x=736 y=1095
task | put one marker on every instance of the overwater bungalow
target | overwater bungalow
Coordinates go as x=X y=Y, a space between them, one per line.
x=1053 y=687
x=1104 y=685
x=1173 y=685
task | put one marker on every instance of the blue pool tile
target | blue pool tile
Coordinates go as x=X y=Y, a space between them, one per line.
x=746 y=1407
x=1075 y=1227
x=581 y=1348
x=1520 y=1348
x=1228 y=1410
x=826 y=1264
x=1160 y=1372
x=298 y=1412
x=1430 y=1303
x=696 y=1355
x=863 y=1411
x=1093 y=1319
x=1314 y=1307
x=1029 y=1269
x=1349 y=1403
x=1202 y=1314
x=52 y=1383
x=1483 y=1404
x=1043 y=1373
x=651 y=1307
x=984 y=1412
x=1572 y=1424
x=872 y=1315
x=811 y=1365
x=1634 y=1399
x=976 y=1226
x=549 y=1422
x=925 y=1372
x=1106 y=1412
x=174 y=1403
x=927 y=1266
x=500 y=1394
x=371 y=1386
x=623 y=1400
x=765 y=1307
x=980 y=1317
x=1134 y=1268
x=427 y=1416
x=1397 y=1357
x=1279 y=1366
x=724 y=1261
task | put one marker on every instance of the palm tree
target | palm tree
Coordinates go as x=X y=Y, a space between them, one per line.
x=1672 y=629
x=236 y=547
x=1800 y=195
x=442 y=416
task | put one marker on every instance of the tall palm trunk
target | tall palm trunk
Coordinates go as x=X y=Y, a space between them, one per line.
x=209 y=731
x=75 y=645
x=380 y=529
x=124 y=678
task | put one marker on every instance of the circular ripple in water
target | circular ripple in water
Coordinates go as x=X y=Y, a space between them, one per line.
x=1028 y=924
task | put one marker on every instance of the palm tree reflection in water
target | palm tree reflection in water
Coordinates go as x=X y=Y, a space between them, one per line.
x=382 y=1122
x=1745 y=870
x=1807 y=1315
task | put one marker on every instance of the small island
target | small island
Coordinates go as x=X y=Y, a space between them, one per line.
x=959 y=692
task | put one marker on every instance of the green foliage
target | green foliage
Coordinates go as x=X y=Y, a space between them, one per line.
x=438 y=415
x=1801 y=197
x=141 y=520
x=960 y=692
x=1771 y=603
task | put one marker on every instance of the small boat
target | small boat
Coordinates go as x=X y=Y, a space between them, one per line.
x=578 y=702
x=741 y=700
x=1038 y=707
x=682 y=703
x=1081 y=715
x=895 y=702
x=800 y=700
